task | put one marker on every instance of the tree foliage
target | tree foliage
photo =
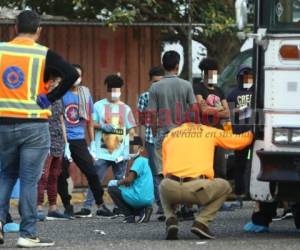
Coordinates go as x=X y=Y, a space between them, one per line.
x=218 y=34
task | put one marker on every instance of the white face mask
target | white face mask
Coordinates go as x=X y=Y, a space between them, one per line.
x=247 y=85
x=115 y=95
x=213 y=80
x=133 y=156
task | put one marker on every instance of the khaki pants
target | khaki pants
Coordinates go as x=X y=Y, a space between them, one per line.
x=211 y=194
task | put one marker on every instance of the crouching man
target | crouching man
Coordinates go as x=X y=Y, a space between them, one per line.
x=188 y=153
x=134 y=195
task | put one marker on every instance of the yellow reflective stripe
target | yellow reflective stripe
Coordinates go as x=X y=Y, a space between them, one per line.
x=25 y=106
x=38 y=111
x=29 y=92
x=17 y=101
x=35 y=45
x=22 y=54
x=34 y=83
x=29 y=50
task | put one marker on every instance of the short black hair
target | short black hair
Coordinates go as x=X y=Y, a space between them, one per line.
x=207 y=64
x=170 y=60
x=28 y=22
x=113 y=81
x=156 y=71
x=137 y=141
x=78 y=66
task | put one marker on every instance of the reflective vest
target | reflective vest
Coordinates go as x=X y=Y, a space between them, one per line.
x=22 y=66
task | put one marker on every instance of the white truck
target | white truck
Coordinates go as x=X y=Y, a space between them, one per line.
x=275 y=166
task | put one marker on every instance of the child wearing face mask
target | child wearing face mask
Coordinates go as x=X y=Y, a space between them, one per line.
x=214 y=108
x=211 y=98
x=53 y=162
x=78 y=111
x=114 y=125
x=134 y=194
x=241 y=99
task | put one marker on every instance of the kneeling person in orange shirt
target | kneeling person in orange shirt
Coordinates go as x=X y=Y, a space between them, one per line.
x=188 y=153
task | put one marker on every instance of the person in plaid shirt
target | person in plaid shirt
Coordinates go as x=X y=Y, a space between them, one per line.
x=155 y=74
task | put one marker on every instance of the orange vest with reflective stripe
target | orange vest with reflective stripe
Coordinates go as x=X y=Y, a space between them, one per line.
x=22 y=66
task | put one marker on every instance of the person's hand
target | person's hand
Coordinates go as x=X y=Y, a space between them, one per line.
x=67 y=153
x=107 y=128
x=113 y=183
x=243 y=108
x=43 y=101
x=92 y=149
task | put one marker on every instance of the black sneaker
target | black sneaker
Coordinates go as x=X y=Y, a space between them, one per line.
x=56 y=215
x=287 y=214
x=84 y=213
x=201 y=231
x=161 y=218
x=69 y=211
x=117 y=213
x=34 y=242
x=129 y=219
x=104 y=211
x=1 y=234
x=172 y=229
x=145 y=216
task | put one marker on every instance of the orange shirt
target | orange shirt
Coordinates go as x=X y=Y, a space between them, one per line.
x=188 y=151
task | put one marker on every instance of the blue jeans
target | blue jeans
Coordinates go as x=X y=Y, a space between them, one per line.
x=23 y=151
x=150 y=148
x=119 y=170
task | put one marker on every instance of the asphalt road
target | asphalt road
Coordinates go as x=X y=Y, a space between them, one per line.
x=81 y=234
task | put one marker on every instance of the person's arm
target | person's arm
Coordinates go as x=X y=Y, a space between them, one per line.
x=96 y=118
x=131 y=133
x=141 y=106
x=91 y=132
x=66 y=71
x=233 y=141
x=130 y=122
x=194 y=106
x=63 y=128
x=96 y=125
x=225 y=113
x=164 y=156
x=204 y=108
x=152 y=111
x=128 y=180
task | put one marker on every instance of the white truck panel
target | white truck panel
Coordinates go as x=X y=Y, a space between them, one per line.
x=259 y=190
x=279 y=120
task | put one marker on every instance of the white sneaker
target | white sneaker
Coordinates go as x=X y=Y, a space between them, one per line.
x=34 y=242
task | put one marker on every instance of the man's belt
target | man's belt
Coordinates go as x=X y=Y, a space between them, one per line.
x=185 y=179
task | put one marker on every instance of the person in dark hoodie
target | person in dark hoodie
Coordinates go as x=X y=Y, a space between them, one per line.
x=240 y=99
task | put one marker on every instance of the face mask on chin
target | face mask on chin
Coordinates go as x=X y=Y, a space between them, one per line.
x=134 y=156
x=247 y=85
x=115 y=96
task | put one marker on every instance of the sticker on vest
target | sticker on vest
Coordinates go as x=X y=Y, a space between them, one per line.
x=13 y=77
x=72 y=114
